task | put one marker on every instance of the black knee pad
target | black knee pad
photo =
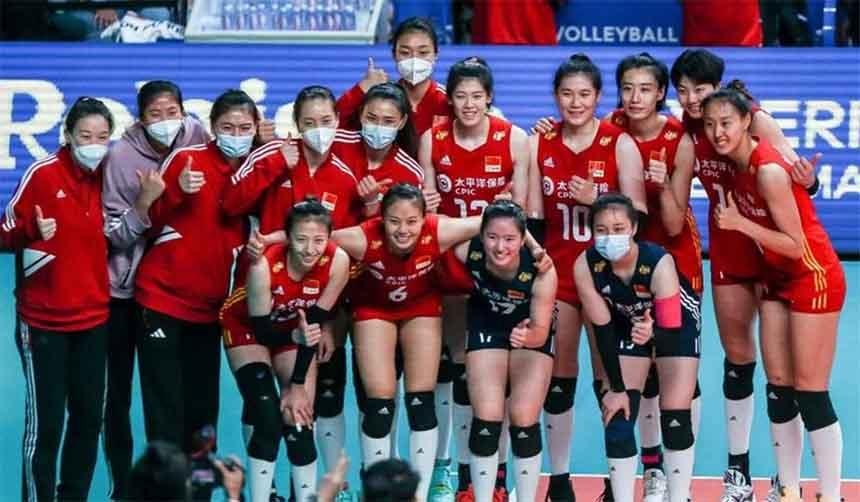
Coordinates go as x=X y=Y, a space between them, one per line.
x=461 y=387
x=446 y=367
x=677 y=429
x=652 y=383
x=331 y=384
x=620 y=435
x=781 y=406
x=559 y=397
x=697 y=393
x=300 y=445
x=421 y=410
x=261 y=408
x=816 y=409
x=378 y=417
x=484 y=437
x=738 y=380
x=525 y=441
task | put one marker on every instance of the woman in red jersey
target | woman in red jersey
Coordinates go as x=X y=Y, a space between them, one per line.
x=273 y=323
x=696 y=74
x=572 y=164
x=54 y=224
x=668 y=155
x=395 y=301
x=185 y=276
x=469 y=161
x=415 y=49
x=804 y=290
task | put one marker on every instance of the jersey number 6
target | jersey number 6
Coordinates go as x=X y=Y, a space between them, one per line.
x=397 y=295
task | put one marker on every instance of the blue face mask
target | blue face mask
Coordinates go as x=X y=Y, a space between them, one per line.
x=234 y=147
x=378 y=136
x=89 y=156
x=612 y=246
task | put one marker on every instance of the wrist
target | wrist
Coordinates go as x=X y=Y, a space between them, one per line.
x=373 y=200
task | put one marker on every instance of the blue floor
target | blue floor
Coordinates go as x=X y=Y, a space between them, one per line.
x=587 y=444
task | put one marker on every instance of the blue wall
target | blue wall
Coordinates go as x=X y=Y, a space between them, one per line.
x=813 y=93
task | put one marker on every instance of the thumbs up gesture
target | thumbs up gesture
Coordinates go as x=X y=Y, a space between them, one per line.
x=584 y=190
x=657 y=172
x=191 y=181
x=307 y=334
x=643 y=329
x=256 y=244
x=727 y=216
x=47 y=226
x=372 y=76
x=265 y=131
x=290 y=151
x=505 y=194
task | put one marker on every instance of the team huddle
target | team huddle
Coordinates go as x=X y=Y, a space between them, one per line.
x=461 y=256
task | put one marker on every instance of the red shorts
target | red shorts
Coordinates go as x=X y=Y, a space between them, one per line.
x=236 y=334
x=566 y=291
x=426 y=306
x=735 y=258
x=452 y=276
x=810 y=293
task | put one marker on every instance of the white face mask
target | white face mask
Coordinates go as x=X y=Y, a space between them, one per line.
x=612 y=246
x=378 y=136
x=415 y=70
x=164 y=131
x=89 y=156
x=319 y=138
x=234 y=146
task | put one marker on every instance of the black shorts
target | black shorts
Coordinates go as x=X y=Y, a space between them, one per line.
x=679 y=343
x=482 y=335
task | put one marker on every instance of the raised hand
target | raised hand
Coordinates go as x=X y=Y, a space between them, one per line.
x=191 y=181
x=643 y=329
x=657 y=172
x=47 y=226
x=728 y=217
x=372 y=76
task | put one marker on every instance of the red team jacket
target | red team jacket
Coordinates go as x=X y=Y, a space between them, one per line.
x=432 y=108
x=64 y=285
x=185 y=272
x=685 y=248
x=287 y=297
x=397 y=167
x=567 y=230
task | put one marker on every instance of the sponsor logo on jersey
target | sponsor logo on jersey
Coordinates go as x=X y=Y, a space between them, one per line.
x=440 y=135
x=329 y=200
x=606 y=290
x=549 y=162
x=525 y=276
x=641 y=291
x=278 y=291
x=605 y=140
x=61 y=194
x=670 y=135
x=516 y=295
x=599 y=266
x=548 y=186
x=443 y=182
x=597 y=168
x=644 y=270
x=423 y=262
x=476 y=255
x=277 y=267
x=427 y=239
x=375 y=244
x=311 y=287
x=493 y=163
x=550 y=135
x=445 y=161
x=499 y=135
x=322 y=261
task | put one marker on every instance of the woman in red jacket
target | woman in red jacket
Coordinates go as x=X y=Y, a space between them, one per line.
x=184 y=276
x=54 y=223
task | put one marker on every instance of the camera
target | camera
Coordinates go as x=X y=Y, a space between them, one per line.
x=205 y=477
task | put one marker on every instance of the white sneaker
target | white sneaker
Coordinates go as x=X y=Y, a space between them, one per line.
x=779 y=493
x=656 y=486
x=735 y=488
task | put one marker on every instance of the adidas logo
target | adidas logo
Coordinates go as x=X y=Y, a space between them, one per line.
x=304 y=485
x=777 y=445
x=674 y=423
x=557 y=389
x=445 y=403
x=649 y=416
x=61 y=194
x=606 y=290
x=328 y=434
x=463 y=427
x=279 y=290
x=548 y=426
x=549 y=162
x=378 y=453
x=378 y=265
x=771 y=395
x=290 y=437
x=733 y=374
x=444 y=356
x=733 y=419
x=612 y=469
x=264 y=471
x=287 y=184
x=524 y=472
x=416 y=402
x=483 y=473
x=445 y=161
x=484 y=432
x=384 y=411
x=328 y=393
x=420 y=451
x=522 y=435
x=157 y=334
x=676 y=471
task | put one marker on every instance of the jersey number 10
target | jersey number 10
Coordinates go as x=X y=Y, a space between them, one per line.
x=574 y=222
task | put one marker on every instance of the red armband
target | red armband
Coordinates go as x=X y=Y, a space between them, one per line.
x=667 y=311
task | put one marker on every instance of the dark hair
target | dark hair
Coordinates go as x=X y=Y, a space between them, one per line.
x=233 y=98
x=732 y=96
x=415 y=24
x=85 y=106
x=578 y=63
x=647 y=61
x=403 y=191
x=471 y=67
x=741 y=87
x=309 y=209
x=504 y=209
x=389 y=480
x=614 y=201
x=394 y=92
x=152 y=90
x=161 y=473
x=699 y=65
x=309 y=93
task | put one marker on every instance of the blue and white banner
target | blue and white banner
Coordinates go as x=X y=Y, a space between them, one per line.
x=814 y=94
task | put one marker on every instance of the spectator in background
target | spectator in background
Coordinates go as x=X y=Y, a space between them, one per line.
x=848 y=23
x=87 y=25
x=721 y=22
x=784 y=23
x=514 y=22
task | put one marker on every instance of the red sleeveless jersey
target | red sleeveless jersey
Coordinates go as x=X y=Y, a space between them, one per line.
x=818 y=274
x=716 y=173
x=392 y=287
x=567 y=230
x=397 y=166
x=288 y=296
x=685 y=248
x=467 y=181
x=432 y=108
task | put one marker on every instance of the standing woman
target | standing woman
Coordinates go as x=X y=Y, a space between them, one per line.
x=184 y=276
x=580 y=158
x=804 y=290
x=132 y=182
x=667 y=152
x=415 y=49
x=395 y=302
x=271 y=324
x=510 y=321
x=54 y=223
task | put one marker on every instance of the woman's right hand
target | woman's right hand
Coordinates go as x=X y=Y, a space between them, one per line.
x=612 y=403
x=296 y=406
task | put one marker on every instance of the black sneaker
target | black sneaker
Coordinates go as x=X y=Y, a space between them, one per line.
x=560 y=489
x=607 y=495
